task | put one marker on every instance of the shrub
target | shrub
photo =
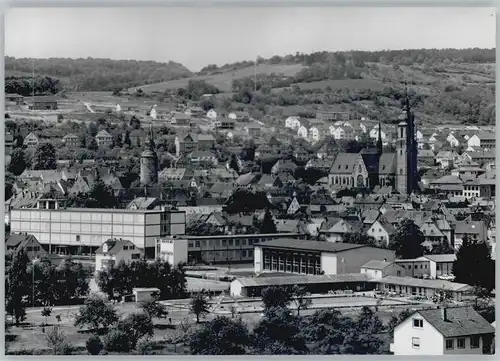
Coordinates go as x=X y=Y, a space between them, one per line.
x=94 y=345
x=116 y=341
x=144 y=345
x=135 y=326
x=57 y=341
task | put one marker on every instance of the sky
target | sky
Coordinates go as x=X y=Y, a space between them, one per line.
x=197 y=36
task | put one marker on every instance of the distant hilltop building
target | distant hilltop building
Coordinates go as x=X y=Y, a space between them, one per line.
x=330 y=116
x=149 y=162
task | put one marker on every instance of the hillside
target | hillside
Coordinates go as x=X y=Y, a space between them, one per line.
x=96 y=74
x=444 y=85
x=223 y=80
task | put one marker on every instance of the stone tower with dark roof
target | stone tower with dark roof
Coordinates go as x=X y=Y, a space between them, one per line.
x=149 y=162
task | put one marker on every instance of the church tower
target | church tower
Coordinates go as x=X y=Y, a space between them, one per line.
x=149 y=162
x=406 y=151
x=379 y=140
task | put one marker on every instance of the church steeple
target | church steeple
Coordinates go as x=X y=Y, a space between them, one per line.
x=149 y=161
x=379 y=139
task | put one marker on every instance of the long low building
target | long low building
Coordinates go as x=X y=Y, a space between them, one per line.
x=358 y=282
x=234 y=248
x=315 y=258
x=84 y=230
x=253 y=286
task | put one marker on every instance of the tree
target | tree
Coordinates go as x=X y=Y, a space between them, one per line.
x=474 y=265
x=274 y=296
x=45 y=157
x=102 y=194
x=397 y=319
x=94 y=345
x=299 y=297
x=17 y=285
x=442 y=296
x=92 y=144
x=46 y=312
x=268 y=225
x=144 y=345
x=116 y=341
x=233 y=164
x=407 y=242
x=153 y=308
x=358 y=238
x=221 y=336
x=135 y=326
x=278 y=333
x=17 y=163
x=441 y=248
x=199 y=305
x=58 y=342
x=96 y=312
x=365 y=339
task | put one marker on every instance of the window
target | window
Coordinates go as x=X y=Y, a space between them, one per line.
x=409 y=266
x=401 y=171
x=449 y=344
x=399 y=273
x=418 y=323
x=474 y=342
x=135 y=256
x=197 y=244
x=461 y=343
x=415 y=342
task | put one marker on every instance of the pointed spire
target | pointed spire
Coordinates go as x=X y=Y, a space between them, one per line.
x=406 y=102
x=379 y=140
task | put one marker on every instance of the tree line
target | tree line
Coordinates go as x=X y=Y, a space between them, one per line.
x=26 y=85
x=99 y=74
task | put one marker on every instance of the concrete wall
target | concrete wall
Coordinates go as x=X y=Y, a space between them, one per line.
x=431 y=341
x=329 y=263
x=258 y=262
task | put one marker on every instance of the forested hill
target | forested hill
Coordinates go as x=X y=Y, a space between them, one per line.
x=96 y=74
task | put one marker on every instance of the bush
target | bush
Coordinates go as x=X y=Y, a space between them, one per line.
x=116 y=341
x=144 y=346
x=94 y=345
x=57 y=341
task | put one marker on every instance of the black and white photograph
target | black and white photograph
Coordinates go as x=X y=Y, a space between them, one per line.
x=250 y=181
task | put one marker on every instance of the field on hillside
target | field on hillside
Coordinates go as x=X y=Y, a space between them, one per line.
x=339 y=84
x=223 y=81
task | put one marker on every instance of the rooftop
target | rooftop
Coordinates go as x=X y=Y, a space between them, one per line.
x=310 y=245
x=460 y=321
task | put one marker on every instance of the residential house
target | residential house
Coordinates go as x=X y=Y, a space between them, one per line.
x=172 y=174
x=442 y=331
x=302 y=132
x=314 y=134
x=185 y=144
x=283 y=166
x=31 y=141
x=180 y=119
x=446 y=158
x=104 y=139
x=212 y=114
x=253 y=129
x=225 y=123
x=332 y=229
x=71 y=140
x=15 y=98
x=382 y=231
x=194 y=112
x=205 y=141
x=28 y=242
x=44 y=103
x=137 y=137
x=292 y=122
x=449 y=185
x=113 y=251
x=203 y=159
x=475 y=230
x=452 y=140
x=474 y=141
x=144 y=203
x=426 y=157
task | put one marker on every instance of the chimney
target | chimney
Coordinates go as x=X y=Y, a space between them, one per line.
x=444 y=313
x=385 y=259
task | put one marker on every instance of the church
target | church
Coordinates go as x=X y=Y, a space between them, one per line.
x=369 y=168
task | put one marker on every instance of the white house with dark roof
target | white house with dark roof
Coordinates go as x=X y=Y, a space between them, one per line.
x=443 y=331
x=382 y=231
x=113 y=251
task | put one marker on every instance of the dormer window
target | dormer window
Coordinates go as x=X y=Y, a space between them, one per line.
x=105 y=248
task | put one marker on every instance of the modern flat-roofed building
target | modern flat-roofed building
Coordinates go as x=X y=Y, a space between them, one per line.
x=315 y=258
x=234 y=248
x=73 y=230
